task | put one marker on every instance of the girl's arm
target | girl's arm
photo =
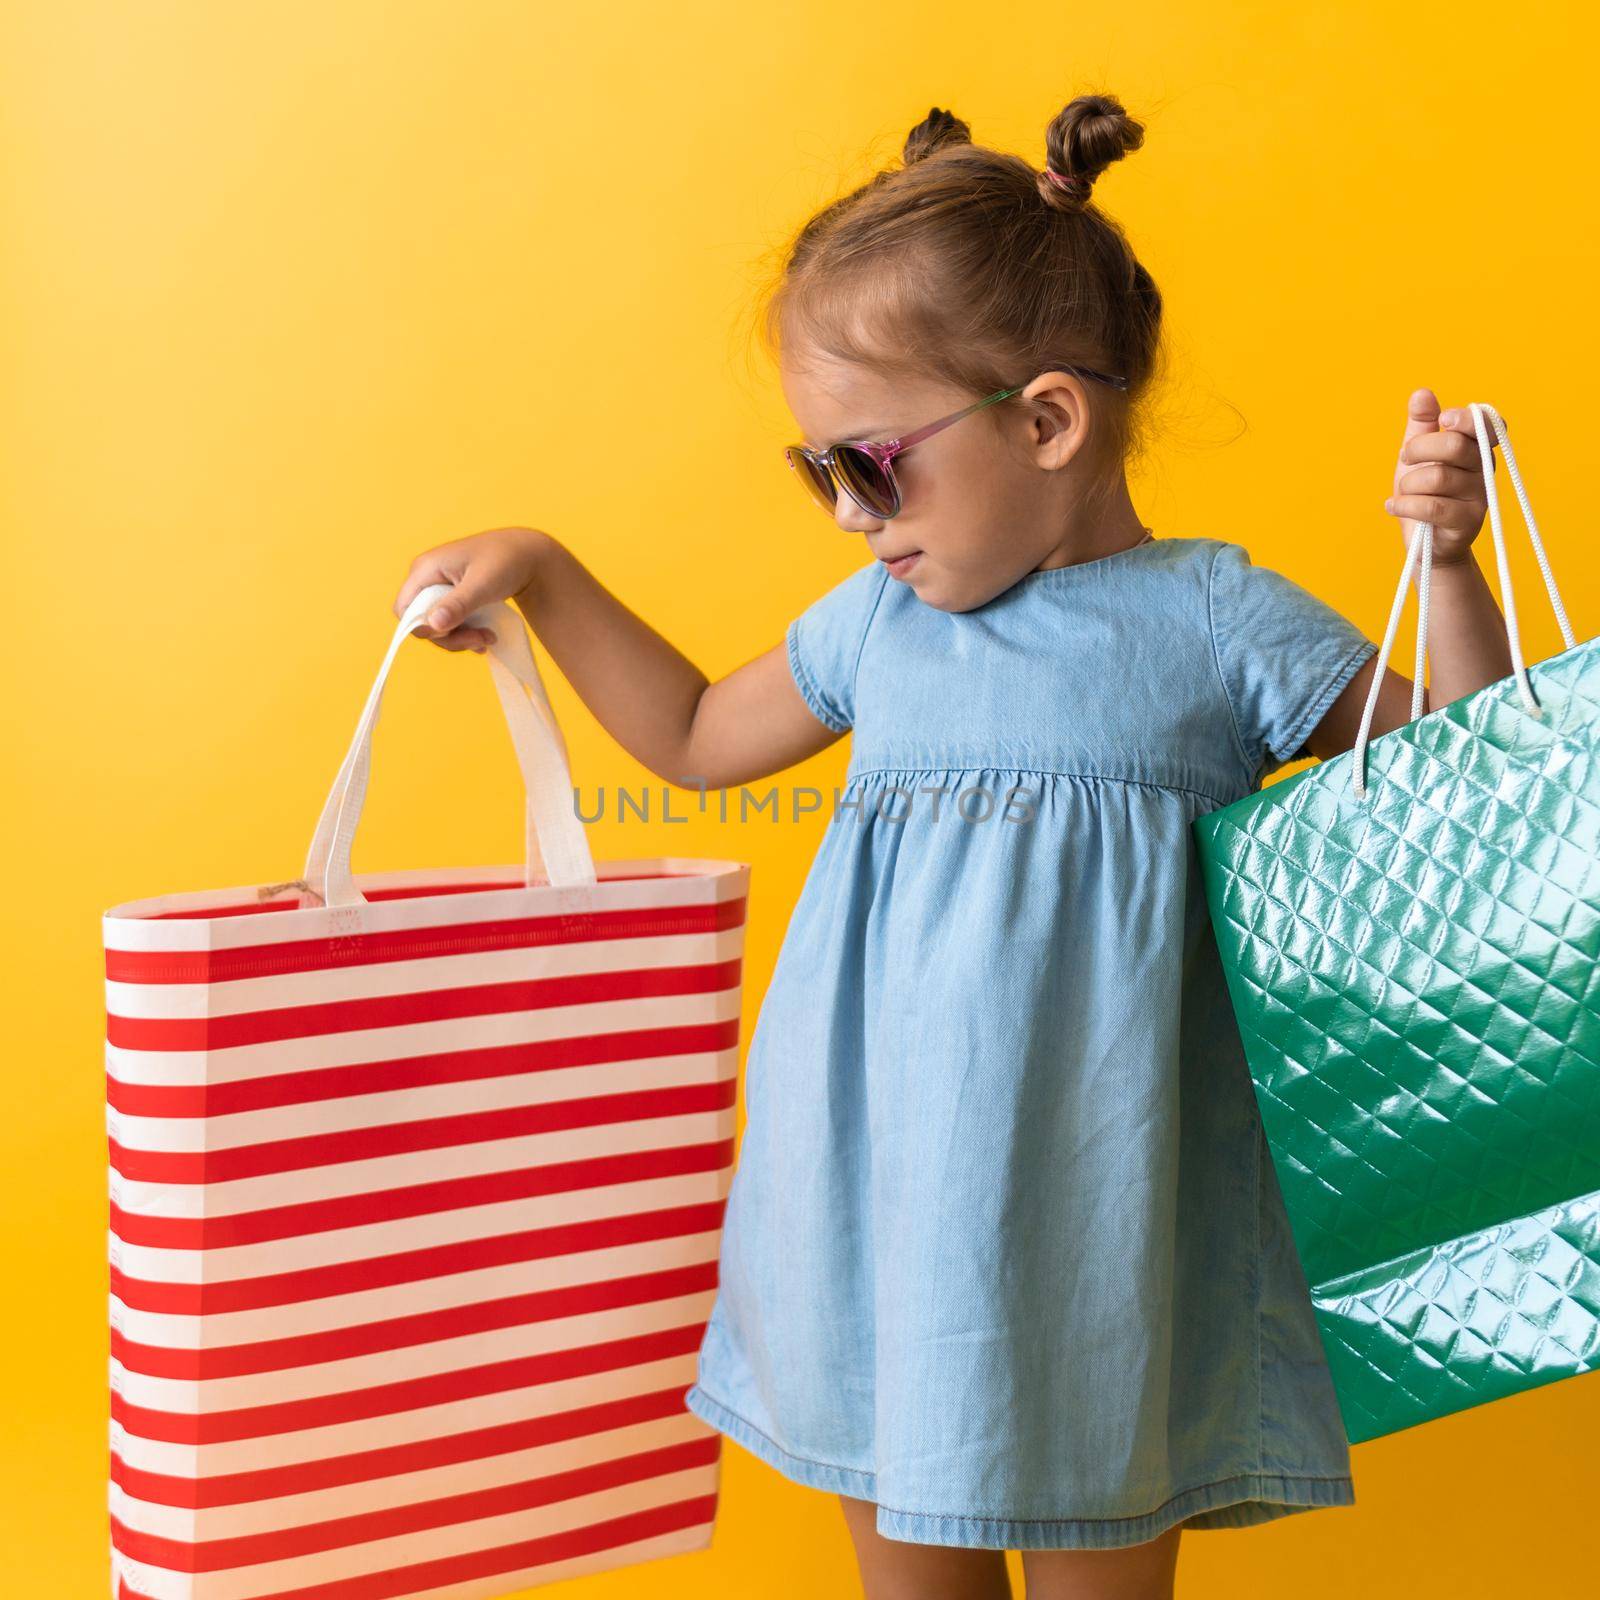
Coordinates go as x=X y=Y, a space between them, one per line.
x=1467 y=649
x=647 y=695
x=652 y=699
x=1439 y=479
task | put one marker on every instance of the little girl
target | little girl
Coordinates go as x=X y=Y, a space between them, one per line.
x=1004 y=1261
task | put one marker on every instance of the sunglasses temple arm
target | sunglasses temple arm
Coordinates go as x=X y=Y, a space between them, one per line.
x=895 y=446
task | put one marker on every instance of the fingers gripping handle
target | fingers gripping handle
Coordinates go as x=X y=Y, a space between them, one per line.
x=1422 y=541
x=556 y=848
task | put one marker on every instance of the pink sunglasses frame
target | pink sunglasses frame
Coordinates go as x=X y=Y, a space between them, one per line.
x=884 y=454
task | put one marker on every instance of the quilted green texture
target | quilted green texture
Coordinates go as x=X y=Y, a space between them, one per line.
x=1414 y=976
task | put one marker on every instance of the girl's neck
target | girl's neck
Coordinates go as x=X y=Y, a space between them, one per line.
x=1122 y=538
x=1102 y=531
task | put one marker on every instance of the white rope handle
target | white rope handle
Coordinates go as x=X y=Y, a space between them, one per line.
x=1422 y=540
x=556 y=849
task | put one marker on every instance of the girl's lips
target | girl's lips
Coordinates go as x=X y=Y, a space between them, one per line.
x=901 y=565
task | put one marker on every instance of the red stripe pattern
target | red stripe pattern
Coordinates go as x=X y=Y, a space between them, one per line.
x=415 y=1211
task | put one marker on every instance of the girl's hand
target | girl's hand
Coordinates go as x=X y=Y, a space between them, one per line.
x=483 y=567
x=1439 y=479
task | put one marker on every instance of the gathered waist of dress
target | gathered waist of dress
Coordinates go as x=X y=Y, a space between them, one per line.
x=913 y=767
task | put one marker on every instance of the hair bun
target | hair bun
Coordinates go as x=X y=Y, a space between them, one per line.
x=934 y=132
x=1087 y=135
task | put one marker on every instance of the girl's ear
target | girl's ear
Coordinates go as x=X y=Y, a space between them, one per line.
x=1060 y=421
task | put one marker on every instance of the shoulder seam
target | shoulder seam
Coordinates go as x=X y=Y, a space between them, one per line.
x=1216 y=658
x=861 y=643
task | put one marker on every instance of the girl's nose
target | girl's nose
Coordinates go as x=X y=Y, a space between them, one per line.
x=852 y=519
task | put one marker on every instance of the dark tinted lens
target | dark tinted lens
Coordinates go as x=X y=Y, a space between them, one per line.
x=865 y=480
x=815 y=481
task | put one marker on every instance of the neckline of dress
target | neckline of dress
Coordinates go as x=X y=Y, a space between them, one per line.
x=1099 y=561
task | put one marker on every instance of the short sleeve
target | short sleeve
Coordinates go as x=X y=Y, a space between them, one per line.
x=1284 y=655
x=825 y=641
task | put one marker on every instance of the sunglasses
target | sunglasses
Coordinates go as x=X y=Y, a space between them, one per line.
x=864 y=469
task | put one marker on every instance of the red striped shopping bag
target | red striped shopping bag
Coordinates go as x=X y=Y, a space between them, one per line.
x=417 y=1181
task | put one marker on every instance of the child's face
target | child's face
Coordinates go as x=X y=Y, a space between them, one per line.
x=983 y=501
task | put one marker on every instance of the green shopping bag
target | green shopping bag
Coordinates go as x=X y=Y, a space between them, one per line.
x=1410 y=933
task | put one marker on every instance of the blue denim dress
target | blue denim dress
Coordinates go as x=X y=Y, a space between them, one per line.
x=1005 y=1250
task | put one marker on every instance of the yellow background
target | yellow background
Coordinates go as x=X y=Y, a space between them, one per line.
x=290 y=291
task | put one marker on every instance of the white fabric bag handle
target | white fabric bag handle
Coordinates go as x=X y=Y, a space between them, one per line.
x=556 y=847
x=1422 y=540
